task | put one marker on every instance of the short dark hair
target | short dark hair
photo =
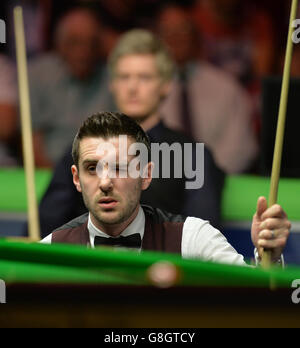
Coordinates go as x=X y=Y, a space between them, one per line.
x=106 y=125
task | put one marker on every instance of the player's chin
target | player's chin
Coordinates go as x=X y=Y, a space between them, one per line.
x=138 y=114
x=110 y=218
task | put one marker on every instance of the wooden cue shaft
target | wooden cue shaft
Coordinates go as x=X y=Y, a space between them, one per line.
x=33 y=219
x=266 y=259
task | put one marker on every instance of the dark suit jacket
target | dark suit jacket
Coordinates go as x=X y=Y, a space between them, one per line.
x=62 y=203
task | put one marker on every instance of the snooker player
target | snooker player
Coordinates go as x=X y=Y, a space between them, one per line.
x=116 y=217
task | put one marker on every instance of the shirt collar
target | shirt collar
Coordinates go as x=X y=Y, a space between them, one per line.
x=136 y=226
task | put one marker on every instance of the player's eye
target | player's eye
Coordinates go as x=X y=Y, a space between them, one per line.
x=91 y=169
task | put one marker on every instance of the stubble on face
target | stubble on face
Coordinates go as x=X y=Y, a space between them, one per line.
x=126 y=211
x=123 y=193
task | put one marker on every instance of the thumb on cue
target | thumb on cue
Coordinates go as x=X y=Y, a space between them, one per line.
x=262 y=206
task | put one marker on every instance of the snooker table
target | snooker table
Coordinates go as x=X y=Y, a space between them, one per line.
x=69 y=286
x=72 y=286
x=238 y=205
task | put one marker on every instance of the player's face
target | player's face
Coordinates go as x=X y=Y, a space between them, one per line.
x=137 y=86
x=112 y=202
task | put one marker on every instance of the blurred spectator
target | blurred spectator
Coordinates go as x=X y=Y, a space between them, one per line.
x=8 y=111
x=238 y=37
x=36 y=15
x=205 y=101
x=67 y=84
x=128 y=14
x=109 y=32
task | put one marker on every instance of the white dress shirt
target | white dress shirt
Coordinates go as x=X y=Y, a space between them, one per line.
x=199 y=240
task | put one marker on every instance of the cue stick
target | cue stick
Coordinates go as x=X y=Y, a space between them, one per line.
x=33 y=219
x=266 y=256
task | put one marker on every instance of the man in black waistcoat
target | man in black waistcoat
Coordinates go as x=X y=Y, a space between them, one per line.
x=112 y=167
x=141 y=71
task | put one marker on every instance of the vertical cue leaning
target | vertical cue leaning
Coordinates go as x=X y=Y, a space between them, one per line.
x=33 y=219
x=266 y=259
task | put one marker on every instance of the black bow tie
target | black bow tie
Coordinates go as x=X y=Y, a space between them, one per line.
x=132 y=241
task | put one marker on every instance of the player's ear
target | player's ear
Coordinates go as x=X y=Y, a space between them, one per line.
x=76 y=180
x=147 y=175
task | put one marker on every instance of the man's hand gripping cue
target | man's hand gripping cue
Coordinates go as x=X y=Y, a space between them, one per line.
x=270 y=229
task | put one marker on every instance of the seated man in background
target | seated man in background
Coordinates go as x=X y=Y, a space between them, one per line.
x=111 y=178
x=8 y=111
x=140 y=74
x=66 y=84
x=205 y=101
